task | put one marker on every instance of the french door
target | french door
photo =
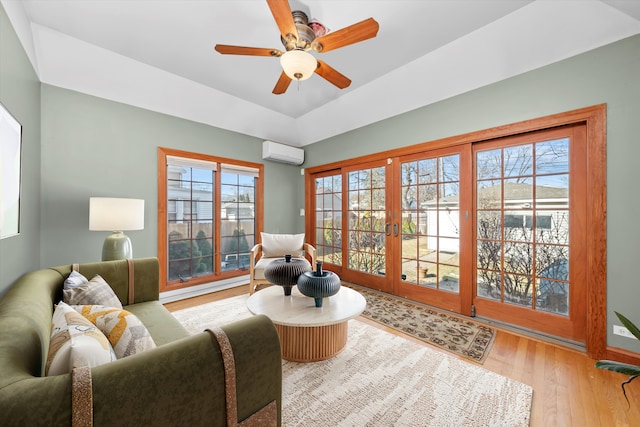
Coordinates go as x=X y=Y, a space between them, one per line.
x=367 y=224
x=530 y=231
x=432 y=202
x=406 y=241
x=491 y=228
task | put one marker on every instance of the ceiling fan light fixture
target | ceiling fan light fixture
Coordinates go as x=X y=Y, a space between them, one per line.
x=298 y=64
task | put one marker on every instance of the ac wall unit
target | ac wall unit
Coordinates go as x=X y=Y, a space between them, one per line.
x=282 y=153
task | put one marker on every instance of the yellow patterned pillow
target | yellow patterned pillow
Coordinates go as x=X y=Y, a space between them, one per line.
x=125 y=331
x=75 y=342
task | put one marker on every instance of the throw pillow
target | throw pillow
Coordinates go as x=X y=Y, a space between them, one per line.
x=74 y=280
x=125 y=331
x=75 y=342
x=279 y=245
x=96 y=291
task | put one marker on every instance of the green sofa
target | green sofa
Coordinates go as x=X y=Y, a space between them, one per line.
x=180 y=382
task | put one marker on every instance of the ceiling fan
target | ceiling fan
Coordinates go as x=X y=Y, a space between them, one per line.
x=298 y=38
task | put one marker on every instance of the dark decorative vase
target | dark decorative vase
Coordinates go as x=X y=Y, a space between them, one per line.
x=318 y=284
x=285 y=272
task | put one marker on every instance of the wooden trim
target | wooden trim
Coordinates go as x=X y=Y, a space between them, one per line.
x=622 y=355
x=597 y=238
x=162 y=215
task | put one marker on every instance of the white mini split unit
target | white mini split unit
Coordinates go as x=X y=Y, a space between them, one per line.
x=282 y=153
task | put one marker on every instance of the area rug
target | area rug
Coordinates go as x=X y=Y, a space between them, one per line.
x=381 y=379
x=462 y=337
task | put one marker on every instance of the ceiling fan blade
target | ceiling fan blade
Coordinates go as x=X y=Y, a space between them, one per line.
x=242 y=50
x=282 y=85
x=355 y=33
x=332 y=76
x=282 y=14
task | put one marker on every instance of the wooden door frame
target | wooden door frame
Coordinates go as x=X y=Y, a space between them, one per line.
x=594 y=118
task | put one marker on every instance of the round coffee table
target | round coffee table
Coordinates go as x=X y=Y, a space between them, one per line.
x=308 y=333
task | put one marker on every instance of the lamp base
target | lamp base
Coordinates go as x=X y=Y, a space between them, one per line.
x=117 y=246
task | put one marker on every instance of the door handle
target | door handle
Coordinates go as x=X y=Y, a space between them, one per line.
x=387 y=229
x=395 y=229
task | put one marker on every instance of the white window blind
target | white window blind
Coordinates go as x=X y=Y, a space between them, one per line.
x=191 y=163
x=239 y=170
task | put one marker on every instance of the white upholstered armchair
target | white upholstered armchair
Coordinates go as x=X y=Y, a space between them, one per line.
x=272 y=247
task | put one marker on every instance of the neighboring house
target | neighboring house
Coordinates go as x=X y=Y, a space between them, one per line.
x=235 y=210
x=440 y=218
x=178 y=207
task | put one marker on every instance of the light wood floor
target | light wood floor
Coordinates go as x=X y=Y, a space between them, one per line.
x=567 y=389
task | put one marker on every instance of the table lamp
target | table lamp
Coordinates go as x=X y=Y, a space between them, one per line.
x=116 y=215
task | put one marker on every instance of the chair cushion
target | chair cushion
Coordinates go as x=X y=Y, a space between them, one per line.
x=279 y=245
x=258 y=269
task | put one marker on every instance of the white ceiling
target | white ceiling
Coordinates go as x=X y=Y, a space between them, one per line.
x=158 y=54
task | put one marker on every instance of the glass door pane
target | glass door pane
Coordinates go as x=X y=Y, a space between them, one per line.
x=366 y=251
x=522 y=225
x=430 y=235
x=328 y=219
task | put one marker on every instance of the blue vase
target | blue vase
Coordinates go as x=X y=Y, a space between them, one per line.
x=318 y=284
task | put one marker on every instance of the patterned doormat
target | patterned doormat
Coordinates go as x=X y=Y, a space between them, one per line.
x=460 y=336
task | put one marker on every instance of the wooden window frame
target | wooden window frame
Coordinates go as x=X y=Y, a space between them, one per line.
x=162 y=215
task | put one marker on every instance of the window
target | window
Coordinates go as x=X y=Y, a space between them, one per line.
x=237 y=216
x=189 y=224
x=209 y=213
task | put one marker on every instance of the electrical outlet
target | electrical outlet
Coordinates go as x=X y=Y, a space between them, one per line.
x=622 y=331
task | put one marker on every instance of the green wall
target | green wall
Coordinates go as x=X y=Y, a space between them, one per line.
x=610 y=75
x=20 y=94
x=95 y=147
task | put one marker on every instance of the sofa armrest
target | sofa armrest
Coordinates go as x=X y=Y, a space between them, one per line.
x=182 y=383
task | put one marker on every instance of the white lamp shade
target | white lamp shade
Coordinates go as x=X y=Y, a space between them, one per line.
x=115 y=214
x=298 y=64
